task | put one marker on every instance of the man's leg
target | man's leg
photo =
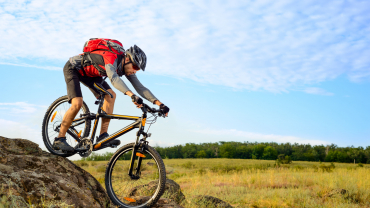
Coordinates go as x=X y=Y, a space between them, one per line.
x=108 y=108
x=70 y=115
x=72 y=79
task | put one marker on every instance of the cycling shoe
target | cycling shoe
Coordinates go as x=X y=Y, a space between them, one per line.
x=61 y=144
x=112 y=143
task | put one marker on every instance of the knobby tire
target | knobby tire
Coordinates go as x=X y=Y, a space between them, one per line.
x=48 y=135
x=116 y=184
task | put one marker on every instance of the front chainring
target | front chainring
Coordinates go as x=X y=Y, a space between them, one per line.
x=85 y=143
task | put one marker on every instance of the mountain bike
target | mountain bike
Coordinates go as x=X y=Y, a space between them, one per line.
x=135 y=175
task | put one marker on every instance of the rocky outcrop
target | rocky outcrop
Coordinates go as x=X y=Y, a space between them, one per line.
x=210 y=201
x=172 y=190
x=166 y=203
x=35 y=176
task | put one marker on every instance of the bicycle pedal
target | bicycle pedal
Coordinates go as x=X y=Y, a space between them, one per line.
x=68 y=151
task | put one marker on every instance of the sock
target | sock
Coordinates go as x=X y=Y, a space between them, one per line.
x=59 y=138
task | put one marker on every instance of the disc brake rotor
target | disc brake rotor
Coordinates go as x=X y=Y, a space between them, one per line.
x=85 y=143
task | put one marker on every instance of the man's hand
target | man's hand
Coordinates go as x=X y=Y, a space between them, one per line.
x=165 y=109
x=137 y=101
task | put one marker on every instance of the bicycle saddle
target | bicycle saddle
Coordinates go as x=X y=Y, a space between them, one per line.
x=102 y=90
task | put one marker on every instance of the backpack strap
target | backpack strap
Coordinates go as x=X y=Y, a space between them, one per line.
x=102 y=72
x=110 y=48
x=82 y=65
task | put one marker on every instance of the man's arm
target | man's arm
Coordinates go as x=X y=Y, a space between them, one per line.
x=118 y=83
x=143 y=91
x=116 y=80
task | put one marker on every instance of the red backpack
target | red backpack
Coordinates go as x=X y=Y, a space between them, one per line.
x=100 y=44
x=111 y=45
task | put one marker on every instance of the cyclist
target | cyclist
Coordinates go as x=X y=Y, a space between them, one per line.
x=114 y=67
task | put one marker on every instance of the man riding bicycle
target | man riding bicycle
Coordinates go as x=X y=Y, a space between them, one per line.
x=89 y=68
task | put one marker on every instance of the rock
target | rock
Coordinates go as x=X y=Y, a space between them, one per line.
x=210 y=201
x=35 y=176
x=166 y=203
x=172 y=190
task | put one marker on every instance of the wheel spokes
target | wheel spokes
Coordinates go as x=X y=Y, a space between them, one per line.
x=135 y=191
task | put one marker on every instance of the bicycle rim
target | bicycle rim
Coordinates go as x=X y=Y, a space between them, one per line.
x=54 y=117
x=143 y=192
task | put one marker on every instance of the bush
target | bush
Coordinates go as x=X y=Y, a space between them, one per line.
x=328 y=168
x=282 y=159
x=201 y=171
x=360 y=165
x=188 y=165
x=226 y=168
x=298 y=167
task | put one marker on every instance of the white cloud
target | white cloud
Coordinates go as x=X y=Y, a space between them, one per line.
x=32 y=66
x=20 y=107
x=251 y=136
x=317 y=91
x=271 y=45
x=11 y=129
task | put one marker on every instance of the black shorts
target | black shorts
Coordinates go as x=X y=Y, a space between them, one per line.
x=73 y=79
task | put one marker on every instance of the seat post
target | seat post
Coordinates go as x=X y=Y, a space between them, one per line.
x=101 y=103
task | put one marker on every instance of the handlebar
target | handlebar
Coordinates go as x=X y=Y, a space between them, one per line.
x=147 y=108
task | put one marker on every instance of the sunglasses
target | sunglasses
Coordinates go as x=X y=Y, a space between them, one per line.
x=135 y=66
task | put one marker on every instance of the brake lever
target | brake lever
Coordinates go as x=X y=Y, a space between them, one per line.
x=161 y=114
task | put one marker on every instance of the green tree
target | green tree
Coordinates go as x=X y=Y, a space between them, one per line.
x=332 y=156
x=243 y=152
x=257 y=151
x=227 y=150
x=269 y=153
x=189 y=150
x=201 y=154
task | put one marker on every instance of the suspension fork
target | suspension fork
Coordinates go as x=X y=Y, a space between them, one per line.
x=140 y=158
x=137 y=147
x=138 y=144
x=132 y=163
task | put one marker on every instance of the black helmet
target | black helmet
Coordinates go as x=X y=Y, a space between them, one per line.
x=137 y=56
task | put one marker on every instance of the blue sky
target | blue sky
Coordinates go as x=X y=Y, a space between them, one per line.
x=282 y=71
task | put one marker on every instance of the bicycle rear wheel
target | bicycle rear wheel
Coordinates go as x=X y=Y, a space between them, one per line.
x=144 y=191
x=51 y=125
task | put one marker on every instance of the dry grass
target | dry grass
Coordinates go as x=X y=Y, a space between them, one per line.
x=260 y=183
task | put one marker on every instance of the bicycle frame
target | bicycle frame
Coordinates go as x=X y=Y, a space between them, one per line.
x=139 y=122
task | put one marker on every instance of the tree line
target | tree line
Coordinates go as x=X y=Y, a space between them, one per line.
x=268 y=151
x=264 y=151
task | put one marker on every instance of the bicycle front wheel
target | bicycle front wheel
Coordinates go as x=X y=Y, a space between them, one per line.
x=146 y=188
x=53 y=119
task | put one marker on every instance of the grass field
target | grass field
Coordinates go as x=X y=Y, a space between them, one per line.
x=262 y=183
